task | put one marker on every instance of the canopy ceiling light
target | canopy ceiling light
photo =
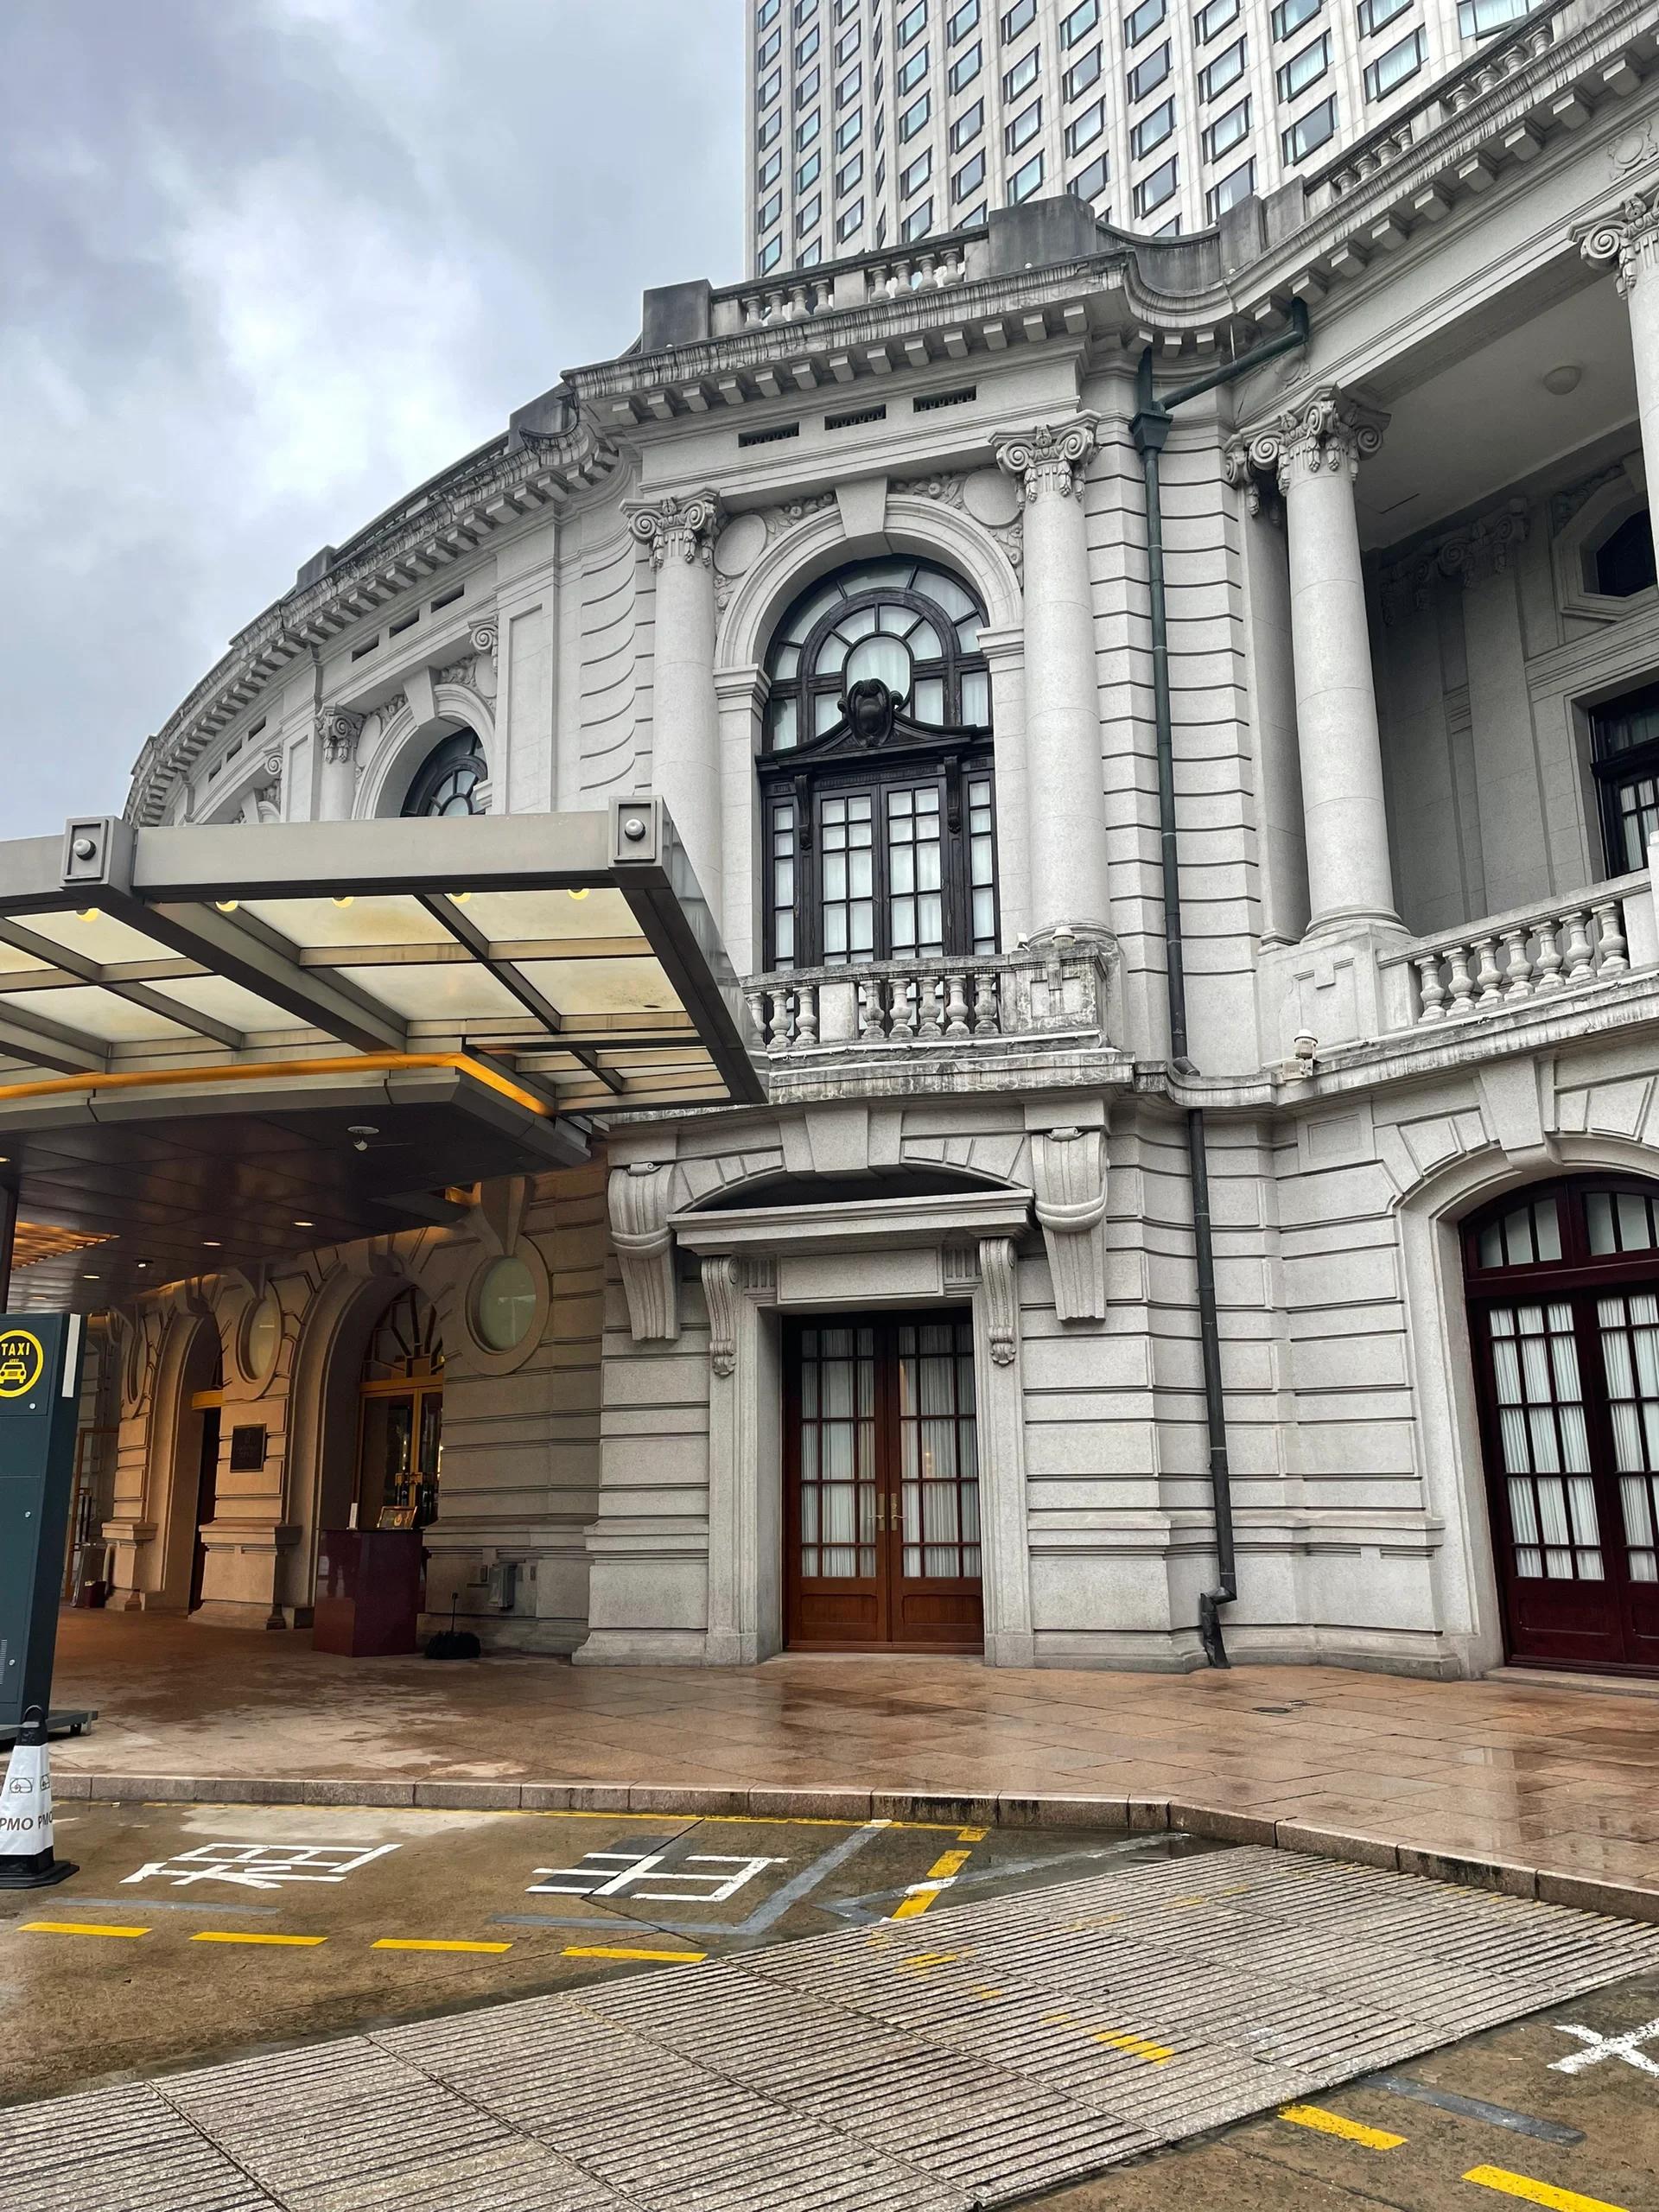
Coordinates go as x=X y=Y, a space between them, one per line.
x=199 y=1025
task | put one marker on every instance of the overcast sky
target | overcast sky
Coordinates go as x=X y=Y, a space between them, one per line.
x=264 y=264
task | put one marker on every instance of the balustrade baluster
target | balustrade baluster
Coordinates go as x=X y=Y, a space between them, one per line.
x=806 y=1015
x=1614 y=958
x=1549 y=958
x=1517 y=977
x=1487 y=974
x=758 y=1003
x=1580 y=964
x=1462 y=983
x=869 y=1010
x=985 y=1018
x=906 y=1007
x=1431 y=991
x=956 y=1008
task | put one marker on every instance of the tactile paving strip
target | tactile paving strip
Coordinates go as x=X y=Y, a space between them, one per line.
x=931 y=2065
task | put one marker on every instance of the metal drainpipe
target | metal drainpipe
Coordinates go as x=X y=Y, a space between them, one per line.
x=1150 y=430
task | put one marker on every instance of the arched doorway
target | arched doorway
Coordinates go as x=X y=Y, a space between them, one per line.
x=400 y=1418
x=200 y=1437
x=447 y=782
x=1563 y=1288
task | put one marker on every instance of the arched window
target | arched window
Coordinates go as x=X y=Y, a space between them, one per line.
x=446 y=781
x=1563 y=1289
x=876 y=775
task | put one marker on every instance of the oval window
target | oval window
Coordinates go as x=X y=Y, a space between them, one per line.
x=505 y=1305
x=263 y=1338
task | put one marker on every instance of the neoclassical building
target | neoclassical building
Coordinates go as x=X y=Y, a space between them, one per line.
x=1168 y=730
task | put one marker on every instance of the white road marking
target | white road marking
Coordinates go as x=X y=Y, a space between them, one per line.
x=1600 y=2047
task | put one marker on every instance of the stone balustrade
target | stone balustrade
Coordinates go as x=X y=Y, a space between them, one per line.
x=1056 y=992
x=1523 y=958
x=803 y=293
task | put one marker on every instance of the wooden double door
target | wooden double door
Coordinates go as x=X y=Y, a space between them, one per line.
x=881 y=1484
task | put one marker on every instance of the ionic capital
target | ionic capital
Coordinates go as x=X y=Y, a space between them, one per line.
x=678 y=529
x=1324 y=433
x=338 y=733
x=1050 y=460
x=1628 y=237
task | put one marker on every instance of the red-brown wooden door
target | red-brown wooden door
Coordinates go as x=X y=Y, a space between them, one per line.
x=1564 y=1312
x=881 y=1485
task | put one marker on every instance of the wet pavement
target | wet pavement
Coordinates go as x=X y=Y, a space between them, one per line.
x=966 y=2049
x=192 y=1932
x=1541 y=1774
x=1562 y=2109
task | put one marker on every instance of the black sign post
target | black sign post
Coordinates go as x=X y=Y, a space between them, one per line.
x=40 y=1411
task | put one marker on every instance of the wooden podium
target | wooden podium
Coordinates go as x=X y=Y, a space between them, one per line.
x=368 y=1601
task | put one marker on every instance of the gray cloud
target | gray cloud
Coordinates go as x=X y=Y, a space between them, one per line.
x=266 y=264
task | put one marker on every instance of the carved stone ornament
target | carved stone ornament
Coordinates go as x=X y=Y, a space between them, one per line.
x=996 y=1278
x=1628 y=237
x=1068 y=1174
x=784 y=517
x=487 y=637
x=638 y=1198
x=1324 y=433
x=951 y=492
x=338 y=733
x=720 y=1292
x=679 y=530
x=1478 y=551
x=870 y=708
x=463 y=672
x=1052 y=459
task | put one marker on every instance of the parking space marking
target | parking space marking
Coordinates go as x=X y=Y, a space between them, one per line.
x=75 y=1928
x=1537 y=2192
x=622 y=1951
x=1349 y=2130
x=431 y=1944
x=250 y=1935
x=1425 y=2092
x=1600 y=2047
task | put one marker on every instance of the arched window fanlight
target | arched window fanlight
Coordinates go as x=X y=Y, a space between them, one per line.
x=876 y=773
x=447 y=781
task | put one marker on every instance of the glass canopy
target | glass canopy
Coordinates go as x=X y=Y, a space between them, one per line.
x=460 y=988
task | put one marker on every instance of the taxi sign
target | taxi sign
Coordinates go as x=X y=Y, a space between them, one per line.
x=22 y=1360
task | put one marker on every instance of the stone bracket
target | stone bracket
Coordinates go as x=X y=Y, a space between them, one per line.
x=639 y=1198
x=1069 y=1176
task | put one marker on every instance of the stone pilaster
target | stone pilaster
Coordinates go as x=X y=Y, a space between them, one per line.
x=1313 y=451
x=1064 y=787
x=685 y=711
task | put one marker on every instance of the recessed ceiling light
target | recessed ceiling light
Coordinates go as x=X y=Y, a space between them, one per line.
x=1567 y=378
x=579 y=894
x=305 y=1225
x=460 y=898
x=86 y=1277
x=346 y=901
x=227 y=905
x=211 y=1244
x=362 y=1129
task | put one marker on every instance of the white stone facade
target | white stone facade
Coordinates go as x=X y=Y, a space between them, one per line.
x=877 y=123
x=1415 y=978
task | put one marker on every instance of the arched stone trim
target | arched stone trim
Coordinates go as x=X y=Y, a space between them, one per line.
x=319 y=1466
x=404 y=743
x=798 y=556
x=1586 y=530
x=1441 y=1364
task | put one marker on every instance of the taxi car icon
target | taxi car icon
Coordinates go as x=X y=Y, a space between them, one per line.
x=14 y=1371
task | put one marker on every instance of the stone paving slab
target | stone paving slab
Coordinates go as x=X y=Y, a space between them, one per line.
x=1002 y=2046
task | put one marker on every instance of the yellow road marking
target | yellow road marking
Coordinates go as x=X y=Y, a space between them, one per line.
x=238 y=1935
x=940 y=1875
x=420 y=1943
x=75 y=1928
x=973 y=1835
x=616 y=1951
x=1138 y=2047
x=1332 y=2123
x=1537 y=2192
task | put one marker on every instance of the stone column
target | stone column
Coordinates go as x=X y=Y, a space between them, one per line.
x=1314 y=451
x=1628 y=238
x=685 y=712
x=337 y=735
x=1064 y=795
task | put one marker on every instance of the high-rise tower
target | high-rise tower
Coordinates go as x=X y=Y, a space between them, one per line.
x=877 y=122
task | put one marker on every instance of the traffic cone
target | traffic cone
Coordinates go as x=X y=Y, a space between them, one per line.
x=26 y=1857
